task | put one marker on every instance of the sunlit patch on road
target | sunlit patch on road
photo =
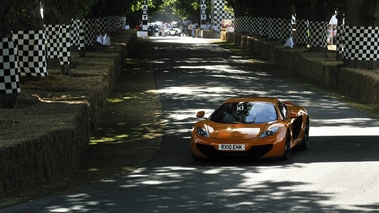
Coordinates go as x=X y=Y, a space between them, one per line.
x=183 y=40
x=345 y=127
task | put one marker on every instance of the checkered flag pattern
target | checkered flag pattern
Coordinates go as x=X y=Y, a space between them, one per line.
x=340 y=45
x=265 y=26
x=302 y=28
x=361 y=43
x=219 y=13
x=122 y=22
x=82 y=32
x=90 y=31
x=52 y=38
x=243 y=24
x=58 y=42
x=286 y=29
x=102 y=24
x=260 y=26
x=31 y=52
x=118 y=23
x=64 y=44
x=255 y=28
x=318 y=34
x=275 y=28
x=77 y=34
x=9 y=78
x=113 y=23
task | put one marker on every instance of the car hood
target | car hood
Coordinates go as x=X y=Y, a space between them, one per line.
x=236 y=131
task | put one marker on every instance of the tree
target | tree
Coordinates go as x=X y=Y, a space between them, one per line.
x=6 y=12
x=170 y=10
x=243 y=7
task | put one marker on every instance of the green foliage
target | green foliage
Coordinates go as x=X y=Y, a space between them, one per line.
x=65 y=10
x=228 y=9
x=136 y=5
x=84 y=7
x=316 y=10
x=181 y=8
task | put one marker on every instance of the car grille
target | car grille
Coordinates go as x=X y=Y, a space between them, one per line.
x=254 y=152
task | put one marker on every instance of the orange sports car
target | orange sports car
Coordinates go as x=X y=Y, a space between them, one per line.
x=252 y=127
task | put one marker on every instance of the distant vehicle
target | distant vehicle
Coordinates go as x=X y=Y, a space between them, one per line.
x=174 y=30
x=251 y=127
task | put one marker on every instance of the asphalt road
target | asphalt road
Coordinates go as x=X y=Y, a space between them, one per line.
x=338 y=173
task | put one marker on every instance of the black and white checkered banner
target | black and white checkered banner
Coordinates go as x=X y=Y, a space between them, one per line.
x=90 y=31
x=102 y=24
x=219 y=13
x=9 y=78
x=244 y=24
x=361 y=43
x=58 y=42
x=77 y=34
x=318 y=34
x=31 y=52
x=286 y=29
x=82 y=32
x=64 y=44
x=340 y=44
x=255 y=29
x=302 y=31
x=52 y=38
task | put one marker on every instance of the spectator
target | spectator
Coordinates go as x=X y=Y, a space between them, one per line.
x=215 y=30
x=99 y=38
x=103 y=39
x=194 y=26
x=163 y=29
x=106 y=40
x=329 y=35
x=230 y=29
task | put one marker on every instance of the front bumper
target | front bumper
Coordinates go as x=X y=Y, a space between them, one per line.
x=270 y=147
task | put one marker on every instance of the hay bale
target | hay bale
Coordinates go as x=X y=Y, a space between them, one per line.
x=44 y=135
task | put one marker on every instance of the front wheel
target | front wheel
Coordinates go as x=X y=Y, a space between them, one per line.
x=196 y=158
x=287 y=147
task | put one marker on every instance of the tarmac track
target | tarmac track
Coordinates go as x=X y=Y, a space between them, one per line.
x=337 y=174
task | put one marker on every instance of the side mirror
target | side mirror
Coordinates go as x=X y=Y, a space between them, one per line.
x=200 y=114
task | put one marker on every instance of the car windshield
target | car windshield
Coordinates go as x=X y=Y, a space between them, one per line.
x=245 y=112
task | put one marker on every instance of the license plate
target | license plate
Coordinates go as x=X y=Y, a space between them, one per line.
x=232 y=147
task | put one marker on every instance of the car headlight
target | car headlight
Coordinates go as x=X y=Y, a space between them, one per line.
x=202 y=132
x=269 y=132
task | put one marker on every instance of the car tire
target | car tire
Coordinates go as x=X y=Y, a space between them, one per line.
x=196 y=158
x=287 y=147
x=304 y=144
